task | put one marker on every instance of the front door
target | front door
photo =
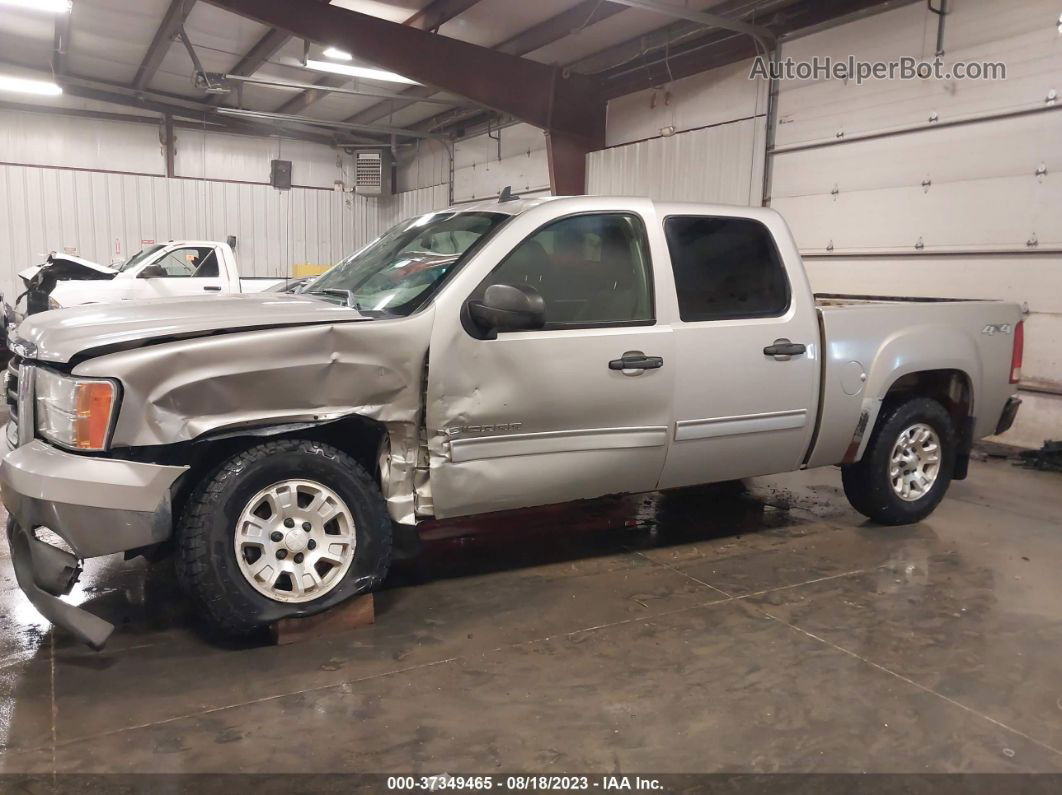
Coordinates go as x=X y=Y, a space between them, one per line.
x=189 y=270
x=747 y=356
x=552 y=415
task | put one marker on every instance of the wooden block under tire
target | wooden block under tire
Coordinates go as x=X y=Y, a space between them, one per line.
x=353 y=613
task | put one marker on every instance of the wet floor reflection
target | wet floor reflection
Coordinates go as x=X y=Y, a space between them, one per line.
x=142 y=599
x=585 y=529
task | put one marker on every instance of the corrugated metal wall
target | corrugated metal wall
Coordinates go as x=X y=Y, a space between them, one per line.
x=103 y=217
x=246 y=159
x=698 y=139
x=721 y=164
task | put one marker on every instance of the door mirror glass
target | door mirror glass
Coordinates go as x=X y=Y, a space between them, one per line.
x=152 y=272
x=508 y=307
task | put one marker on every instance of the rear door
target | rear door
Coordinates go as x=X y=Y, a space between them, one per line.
x=747 y=354
x=185 y=270
x=546 y=416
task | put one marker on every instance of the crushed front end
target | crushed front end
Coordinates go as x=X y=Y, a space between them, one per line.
x=96 y=505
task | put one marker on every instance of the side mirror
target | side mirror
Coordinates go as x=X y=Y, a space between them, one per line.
x=508 y=307
x=152 y=272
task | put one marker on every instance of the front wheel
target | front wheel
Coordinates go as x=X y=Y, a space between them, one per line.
x=287 y=528
x=907 y=466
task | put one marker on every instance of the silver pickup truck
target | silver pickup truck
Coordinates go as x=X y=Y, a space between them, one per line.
x=489 y=357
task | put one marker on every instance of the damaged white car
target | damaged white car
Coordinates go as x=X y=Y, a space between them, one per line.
x=161 y=270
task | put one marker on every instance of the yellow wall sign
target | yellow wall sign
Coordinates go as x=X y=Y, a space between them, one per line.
x=308 y=269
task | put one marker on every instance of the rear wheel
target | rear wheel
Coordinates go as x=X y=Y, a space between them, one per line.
x=907 y=466
x=288 y=528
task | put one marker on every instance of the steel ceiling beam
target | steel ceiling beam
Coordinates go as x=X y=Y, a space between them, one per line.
x=763 y=35
x=198 y=114
x=438 y=12
x=264 y=49
x=768 y=12
x=318 y=92
x=338 y=125
x=218 y=124
x=718 y=48
x=536 y=93
x=276 y=83
x=129 y=118
x=175 y=16
x=559 y=26
x=60 y=42
x=431 y=17
x=257 y=57
x=546 y=32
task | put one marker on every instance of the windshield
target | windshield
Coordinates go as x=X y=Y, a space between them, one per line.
x=401 y=269
x=139 y=257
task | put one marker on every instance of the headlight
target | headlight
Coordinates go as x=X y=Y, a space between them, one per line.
x=75 y=412
x=53 y=304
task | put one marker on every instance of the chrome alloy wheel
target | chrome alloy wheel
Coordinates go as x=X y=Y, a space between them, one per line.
x=295 y=540
x=915 y=462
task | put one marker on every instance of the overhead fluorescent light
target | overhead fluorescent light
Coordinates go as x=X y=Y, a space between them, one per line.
x=338 y=55
x=365 y=72
x=50 y=6
x=23 y=85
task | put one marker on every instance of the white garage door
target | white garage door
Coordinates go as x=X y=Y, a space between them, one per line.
x=937 y=188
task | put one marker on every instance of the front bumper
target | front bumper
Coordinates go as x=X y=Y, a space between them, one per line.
x=98 y=506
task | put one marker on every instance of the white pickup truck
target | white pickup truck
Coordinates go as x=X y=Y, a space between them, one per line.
x=161 y=270
x=483 y=358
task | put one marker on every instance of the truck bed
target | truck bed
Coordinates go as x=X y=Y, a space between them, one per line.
x=869 y=342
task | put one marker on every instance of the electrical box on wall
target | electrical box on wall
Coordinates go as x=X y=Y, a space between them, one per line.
x=280 y=174
x=372 y=173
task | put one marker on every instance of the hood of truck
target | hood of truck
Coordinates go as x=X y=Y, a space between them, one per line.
x=70 y=267
x=59 y=336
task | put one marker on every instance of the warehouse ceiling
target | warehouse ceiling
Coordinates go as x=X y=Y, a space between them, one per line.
x=134 y=54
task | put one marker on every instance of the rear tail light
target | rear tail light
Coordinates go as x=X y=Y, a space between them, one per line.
x=1016 y=353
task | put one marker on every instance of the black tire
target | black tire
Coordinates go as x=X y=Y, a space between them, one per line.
x=867 y=484
x=207 y=567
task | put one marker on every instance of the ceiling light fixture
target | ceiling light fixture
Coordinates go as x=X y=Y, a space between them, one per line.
x=365 y=72
x=50 y=6
x=338 y=55
x=23 y=85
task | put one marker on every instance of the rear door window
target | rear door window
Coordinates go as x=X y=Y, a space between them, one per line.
x=725 y=268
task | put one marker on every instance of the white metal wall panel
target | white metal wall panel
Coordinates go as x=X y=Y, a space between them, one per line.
x=882 y=200
x=73 y=142
x=713 y=97
x=483 y=165
x=106 y=217
x=721 y=164
x=1023 y=34
x=242 y=158
x=424 y=164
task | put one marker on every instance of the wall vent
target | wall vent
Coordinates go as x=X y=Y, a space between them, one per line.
x=372 y=173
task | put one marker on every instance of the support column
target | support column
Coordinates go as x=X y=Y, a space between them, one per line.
x=567 y=163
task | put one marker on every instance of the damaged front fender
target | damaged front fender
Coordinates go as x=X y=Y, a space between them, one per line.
x=191 y=389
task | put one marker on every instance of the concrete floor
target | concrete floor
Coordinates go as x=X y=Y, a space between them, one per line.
x=697 y=631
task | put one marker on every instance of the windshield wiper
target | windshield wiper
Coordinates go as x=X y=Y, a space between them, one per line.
x=346 y=295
